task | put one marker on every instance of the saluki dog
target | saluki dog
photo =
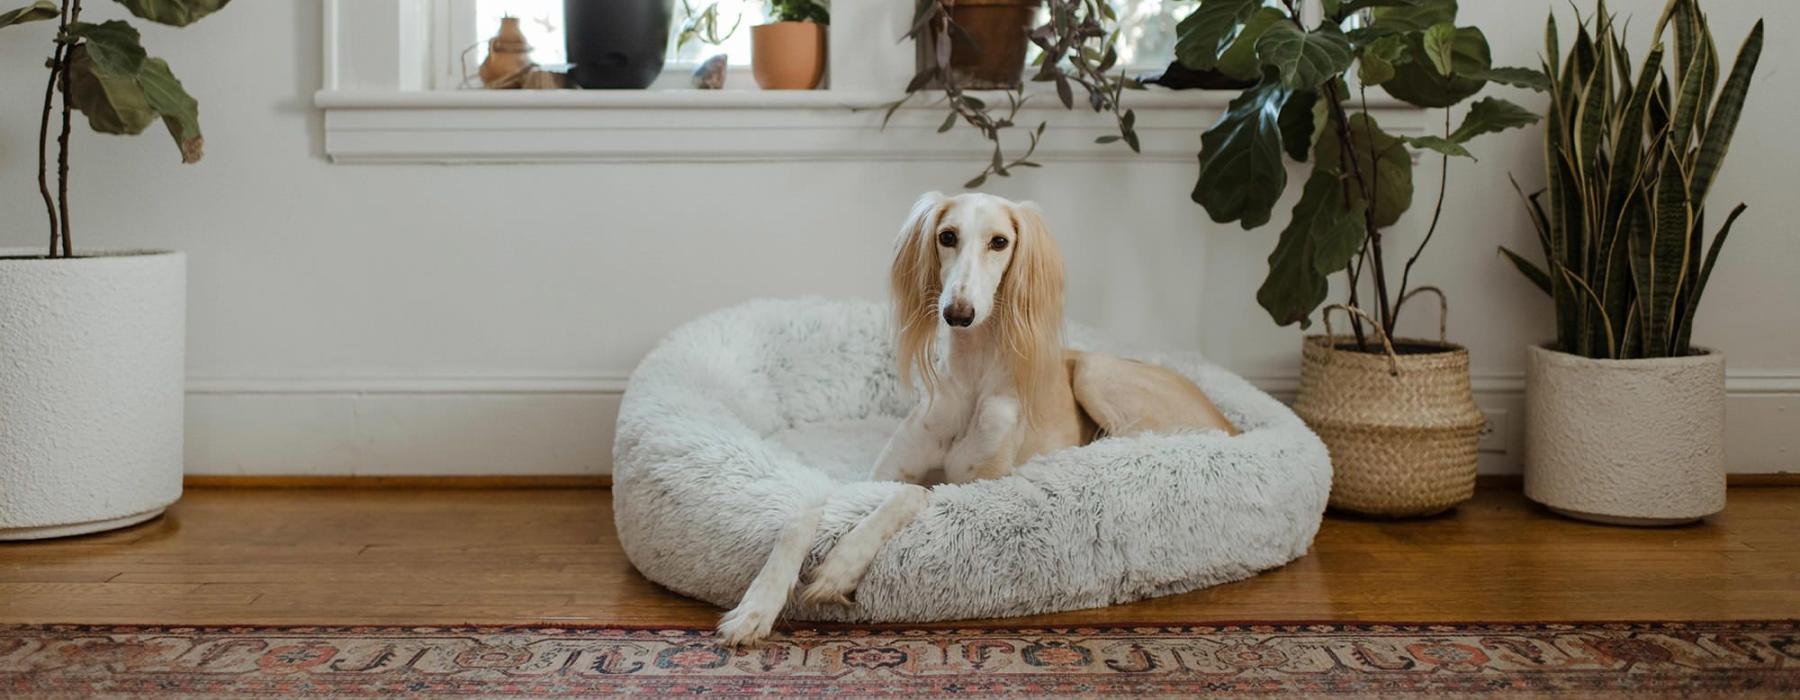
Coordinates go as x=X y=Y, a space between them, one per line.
x=987 y=269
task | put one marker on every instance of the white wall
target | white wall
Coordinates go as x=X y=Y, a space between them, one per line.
x=478 y=319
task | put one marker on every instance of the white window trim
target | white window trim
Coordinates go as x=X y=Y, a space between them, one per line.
x=378 y=66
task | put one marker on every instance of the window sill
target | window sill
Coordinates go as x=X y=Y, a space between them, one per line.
x=725 y=126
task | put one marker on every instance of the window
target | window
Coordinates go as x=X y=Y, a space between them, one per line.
x=473 y=22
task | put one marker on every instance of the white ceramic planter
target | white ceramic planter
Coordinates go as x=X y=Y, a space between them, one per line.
x=92 y=367
x=1629 y=442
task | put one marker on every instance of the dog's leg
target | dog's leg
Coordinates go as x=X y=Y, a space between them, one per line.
x=990 y=447
x=917 y=447
x=755 y=615
x=843 y=569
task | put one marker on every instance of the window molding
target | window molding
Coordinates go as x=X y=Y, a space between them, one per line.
x=377 y=108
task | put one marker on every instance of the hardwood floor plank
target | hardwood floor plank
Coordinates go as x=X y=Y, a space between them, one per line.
x=517 y=556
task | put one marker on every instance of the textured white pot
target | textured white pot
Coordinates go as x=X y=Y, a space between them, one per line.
x=1629 y=442
x=91 y=372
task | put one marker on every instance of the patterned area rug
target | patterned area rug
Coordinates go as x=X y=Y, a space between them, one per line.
x=1582 y=659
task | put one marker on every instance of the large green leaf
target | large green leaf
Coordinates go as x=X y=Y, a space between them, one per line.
x=1241 y=173
x=112 y=44
x=1418 y=81
x=1298 y=126
x=1529 y=78
x=1439 y=43
x=1205 y=33
x=179 y=13
x=1723 y=123
x=1383 y=160
x=1492 y=115
x=37 y=11
x=1414 y=16
x=1318 y=241
x=113 y=103
x=1304 y=59
x=1538 y=277
x=179 y=111
x=1239 y=61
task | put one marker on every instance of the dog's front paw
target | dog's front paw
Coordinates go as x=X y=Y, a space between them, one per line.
x=833 y=582
x=743 y=627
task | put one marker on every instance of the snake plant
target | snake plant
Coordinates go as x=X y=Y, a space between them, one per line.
x=1629 y=164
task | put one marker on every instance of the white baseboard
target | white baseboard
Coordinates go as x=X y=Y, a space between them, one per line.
x=563 y=425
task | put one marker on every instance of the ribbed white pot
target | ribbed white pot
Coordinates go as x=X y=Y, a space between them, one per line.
x=92 y=363
x=1628 y=442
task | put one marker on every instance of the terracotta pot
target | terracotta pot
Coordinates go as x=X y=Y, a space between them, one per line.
x=1626 y=442
x=996 y=59
x=787 y=55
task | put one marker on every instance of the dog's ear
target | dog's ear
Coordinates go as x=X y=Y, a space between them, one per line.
x=1032 y=292
x=915 y=286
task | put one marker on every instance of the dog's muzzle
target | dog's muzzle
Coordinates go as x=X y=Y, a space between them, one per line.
x=960 y=314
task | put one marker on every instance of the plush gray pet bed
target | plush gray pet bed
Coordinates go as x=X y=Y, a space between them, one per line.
x=740 y=419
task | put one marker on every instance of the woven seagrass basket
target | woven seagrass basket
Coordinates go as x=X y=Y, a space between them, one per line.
x=1402 y=426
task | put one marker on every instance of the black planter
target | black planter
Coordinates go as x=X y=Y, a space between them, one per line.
x=616 y=43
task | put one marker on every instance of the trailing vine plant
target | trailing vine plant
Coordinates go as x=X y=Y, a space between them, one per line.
x=1079 y=49
x=103 y=71
x=1304 y=107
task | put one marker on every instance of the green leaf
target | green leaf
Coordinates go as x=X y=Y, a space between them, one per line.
x=1414 y=16
x=1376 y=64
x=1529 y=78
x=178 y=13
x=113 y=103
x=1239 y=61
x=1441 y=145
x=1532 y=272
x=1418 y=82
x=1492 y=115
x=1304 y=59
x=1298 y=132
x=179 y=110
x=1204 y=34
x=1381 y=158
x=112 y=44
x=1440 y=46
x=1698 y=287
x=1318 y=241
x=1724 y=120
x=1241 y=173
x=37 y=11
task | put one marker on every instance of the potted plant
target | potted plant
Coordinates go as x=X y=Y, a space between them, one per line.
x=616 y=44
x=92 y=344
x=1396 y=413
x=1625 y=419
x=789 y=53
x=1077 y=41
x=983 y=43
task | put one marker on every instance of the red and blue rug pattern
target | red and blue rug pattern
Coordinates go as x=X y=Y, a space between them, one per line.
x=1577 y=659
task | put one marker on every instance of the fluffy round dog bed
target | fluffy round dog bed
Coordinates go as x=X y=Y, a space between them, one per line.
x=742 y=418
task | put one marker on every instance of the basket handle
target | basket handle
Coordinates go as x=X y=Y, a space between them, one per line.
x=1386 y=344
x=1443 y=310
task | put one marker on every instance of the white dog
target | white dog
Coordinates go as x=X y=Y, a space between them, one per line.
x=988 y=269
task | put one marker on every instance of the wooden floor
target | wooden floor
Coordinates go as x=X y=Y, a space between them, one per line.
x=523 y=556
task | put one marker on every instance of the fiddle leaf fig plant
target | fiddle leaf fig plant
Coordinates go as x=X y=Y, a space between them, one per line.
x=1303 y=108
x=1628 y=168
x=102 y=70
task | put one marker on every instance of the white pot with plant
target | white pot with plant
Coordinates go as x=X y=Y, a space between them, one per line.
x=92 y=344
x=1625 y=419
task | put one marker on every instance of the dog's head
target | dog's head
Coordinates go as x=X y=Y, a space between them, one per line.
x=974 y=261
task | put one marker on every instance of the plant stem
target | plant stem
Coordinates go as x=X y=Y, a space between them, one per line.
x=1436 y=214
x=72 y=11
x=56 y=61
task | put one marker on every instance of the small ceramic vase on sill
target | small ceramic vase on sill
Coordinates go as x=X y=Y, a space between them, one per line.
x=788 y=55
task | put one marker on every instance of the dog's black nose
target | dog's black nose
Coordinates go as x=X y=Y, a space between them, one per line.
x=959 y=314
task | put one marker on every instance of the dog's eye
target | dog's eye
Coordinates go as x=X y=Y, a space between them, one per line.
x=947 y=239
x=998 y=243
